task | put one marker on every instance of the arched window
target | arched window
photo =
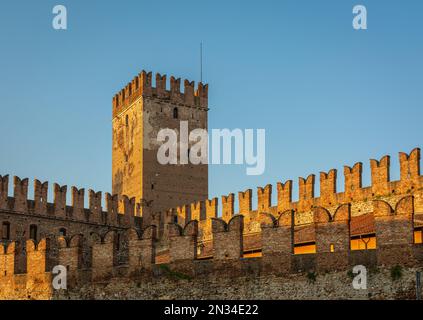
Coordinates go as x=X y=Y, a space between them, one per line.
x=175 y=113
x=62 y=232
x=6 y=231
x=33 y=232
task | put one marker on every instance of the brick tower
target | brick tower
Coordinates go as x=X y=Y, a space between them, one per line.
x=140 y=110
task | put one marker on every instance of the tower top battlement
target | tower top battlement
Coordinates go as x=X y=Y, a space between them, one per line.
x=142 y=85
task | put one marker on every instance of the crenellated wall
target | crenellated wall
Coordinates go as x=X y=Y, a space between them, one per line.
x=142 y=85
x=394 y=236
x=120 y=211
x=358 y=197
x=201 y=241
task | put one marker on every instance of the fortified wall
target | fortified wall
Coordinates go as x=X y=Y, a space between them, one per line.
x=276 y=272
x=189 y=252
x=22 y=219
x=360 y=199
x=18 y=213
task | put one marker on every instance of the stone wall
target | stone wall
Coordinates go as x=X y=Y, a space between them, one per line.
x=278 y=272
x=333 y=285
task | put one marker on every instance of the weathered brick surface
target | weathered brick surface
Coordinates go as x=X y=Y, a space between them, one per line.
x=183 y=244
x=4 y=191
x=394 y=229
x=211 y=208
x=277 y=242
x=328 y=188
x=70 y=256
x=183 y=247
x=40 y=197
x=284 y=195
x=353 y=180
x=141 y=249
x=228 y=209
x=148 y=248
x=102 y=259
x=245 y=201
x=227 y=238
x=380 y=175
x=184 y=214
x=332 y=285
x=60 y=201
x=264 y=196
x=409 y=170
x=332 y=238
x=306 y=192
x=198 y=211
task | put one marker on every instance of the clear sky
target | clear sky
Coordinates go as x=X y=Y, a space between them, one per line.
x=327 y=95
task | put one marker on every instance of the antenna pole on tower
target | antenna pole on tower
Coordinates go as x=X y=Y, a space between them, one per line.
x=201 y=62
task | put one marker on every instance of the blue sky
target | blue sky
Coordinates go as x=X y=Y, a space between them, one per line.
x=326 y=94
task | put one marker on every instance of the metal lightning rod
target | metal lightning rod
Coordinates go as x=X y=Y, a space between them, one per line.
x=201 y=62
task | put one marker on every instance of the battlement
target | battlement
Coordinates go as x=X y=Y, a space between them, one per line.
x=142 y=85
x=122 y=211
x=394 y=238
x=381 y=187
x=194 y=240
x=119 y=211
